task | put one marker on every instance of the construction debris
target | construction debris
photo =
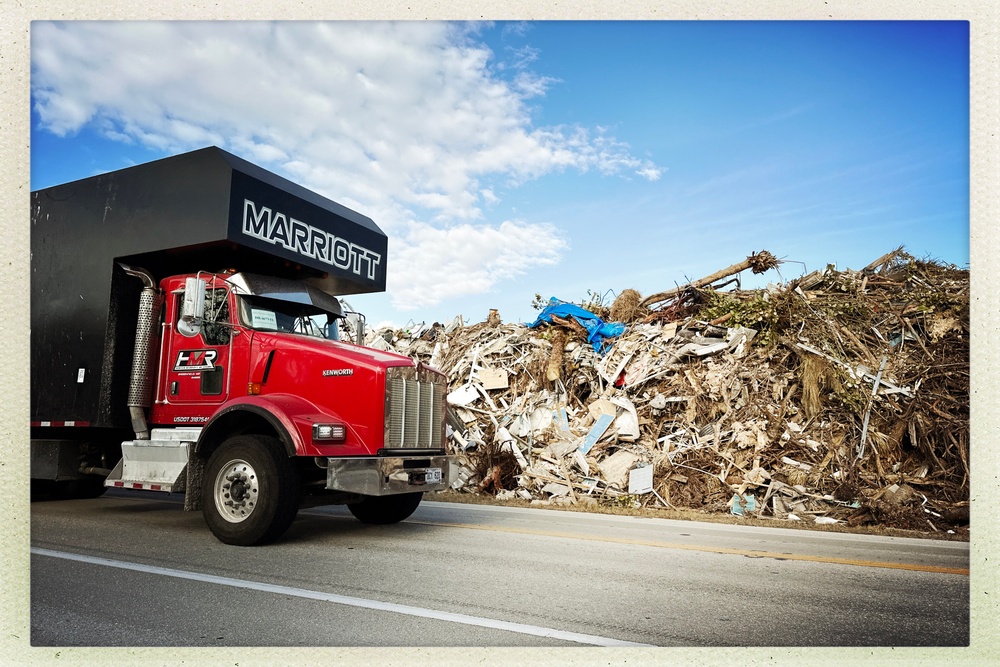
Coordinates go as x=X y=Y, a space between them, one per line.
x=761 y=262
x=841 y=396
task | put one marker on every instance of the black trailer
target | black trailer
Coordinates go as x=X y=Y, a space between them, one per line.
x=203 y=210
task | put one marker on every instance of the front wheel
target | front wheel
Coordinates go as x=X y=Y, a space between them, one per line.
x=385 y=509
x=250 y=492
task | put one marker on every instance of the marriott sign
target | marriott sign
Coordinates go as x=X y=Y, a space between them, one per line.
x=304 y=239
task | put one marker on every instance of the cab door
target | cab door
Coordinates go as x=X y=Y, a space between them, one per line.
x=198 y=367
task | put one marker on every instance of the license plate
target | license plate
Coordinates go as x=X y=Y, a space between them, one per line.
x=432 y=475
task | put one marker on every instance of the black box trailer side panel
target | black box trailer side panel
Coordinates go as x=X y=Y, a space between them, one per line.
x=177 y=215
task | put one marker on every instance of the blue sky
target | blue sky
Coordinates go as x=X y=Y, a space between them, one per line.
x=509 y=159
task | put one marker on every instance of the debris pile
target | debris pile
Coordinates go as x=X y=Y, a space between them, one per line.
x=840 y=396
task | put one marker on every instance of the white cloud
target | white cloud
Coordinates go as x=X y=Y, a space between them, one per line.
x=530 y=84
x=466 y=259
x=403 y=121
x=489 y=196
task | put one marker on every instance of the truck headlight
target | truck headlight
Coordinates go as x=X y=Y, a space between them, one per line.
x=330 y=432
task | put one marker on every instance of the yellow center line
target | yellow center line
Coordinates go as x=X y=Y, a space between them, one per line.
x=715 y=550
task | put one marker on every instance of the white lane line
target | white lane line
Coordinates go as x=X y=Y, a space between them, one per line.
x=507 y=626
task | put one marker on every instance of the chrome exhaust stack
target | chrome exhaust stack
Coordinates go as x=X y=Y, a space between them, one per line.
x=140 y=390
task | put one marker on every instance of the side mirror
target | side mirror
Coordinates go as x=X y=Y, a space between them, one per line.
x=359 y=330
x=192 y=307
x=356 y=321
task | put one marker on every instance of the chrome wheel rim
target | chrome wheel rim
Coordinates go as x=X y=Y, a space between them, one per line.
x=236 y=491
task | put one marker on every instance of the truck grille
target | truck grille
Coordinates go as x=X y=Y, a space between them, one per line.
x=414 y=408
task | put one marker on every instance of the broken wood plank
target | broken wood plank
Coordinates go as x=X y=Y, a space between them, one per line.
x=758 y=262
x=493 y=379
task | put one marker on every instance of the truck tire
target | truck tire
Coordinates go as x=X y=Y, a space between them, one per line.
x=250 y=493
x=381 y=510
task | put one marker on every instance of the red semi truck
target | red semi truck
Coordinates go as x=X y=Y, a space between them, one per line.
x=186 y=338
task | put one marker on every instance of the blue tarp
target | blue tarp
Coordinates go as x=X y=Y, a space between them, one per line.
x=597 y=329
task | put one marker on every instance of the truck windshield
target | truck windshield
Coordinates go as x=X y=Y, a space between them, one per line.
x=266 y=314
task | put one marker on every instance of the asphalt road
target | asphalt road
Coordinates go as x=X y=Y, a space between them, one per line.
x=125 y=570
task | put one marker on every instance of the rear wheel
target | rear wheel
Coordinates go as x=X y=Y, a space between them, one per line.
x=385 y=509
x=250 y=492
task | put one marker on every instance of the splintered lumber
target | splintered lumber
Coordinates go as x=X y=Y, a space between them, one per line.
x=554 y=368
x=760 y=262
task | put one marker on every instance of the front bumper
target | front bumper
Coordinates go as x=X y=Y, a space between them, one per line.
x=388 y=475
